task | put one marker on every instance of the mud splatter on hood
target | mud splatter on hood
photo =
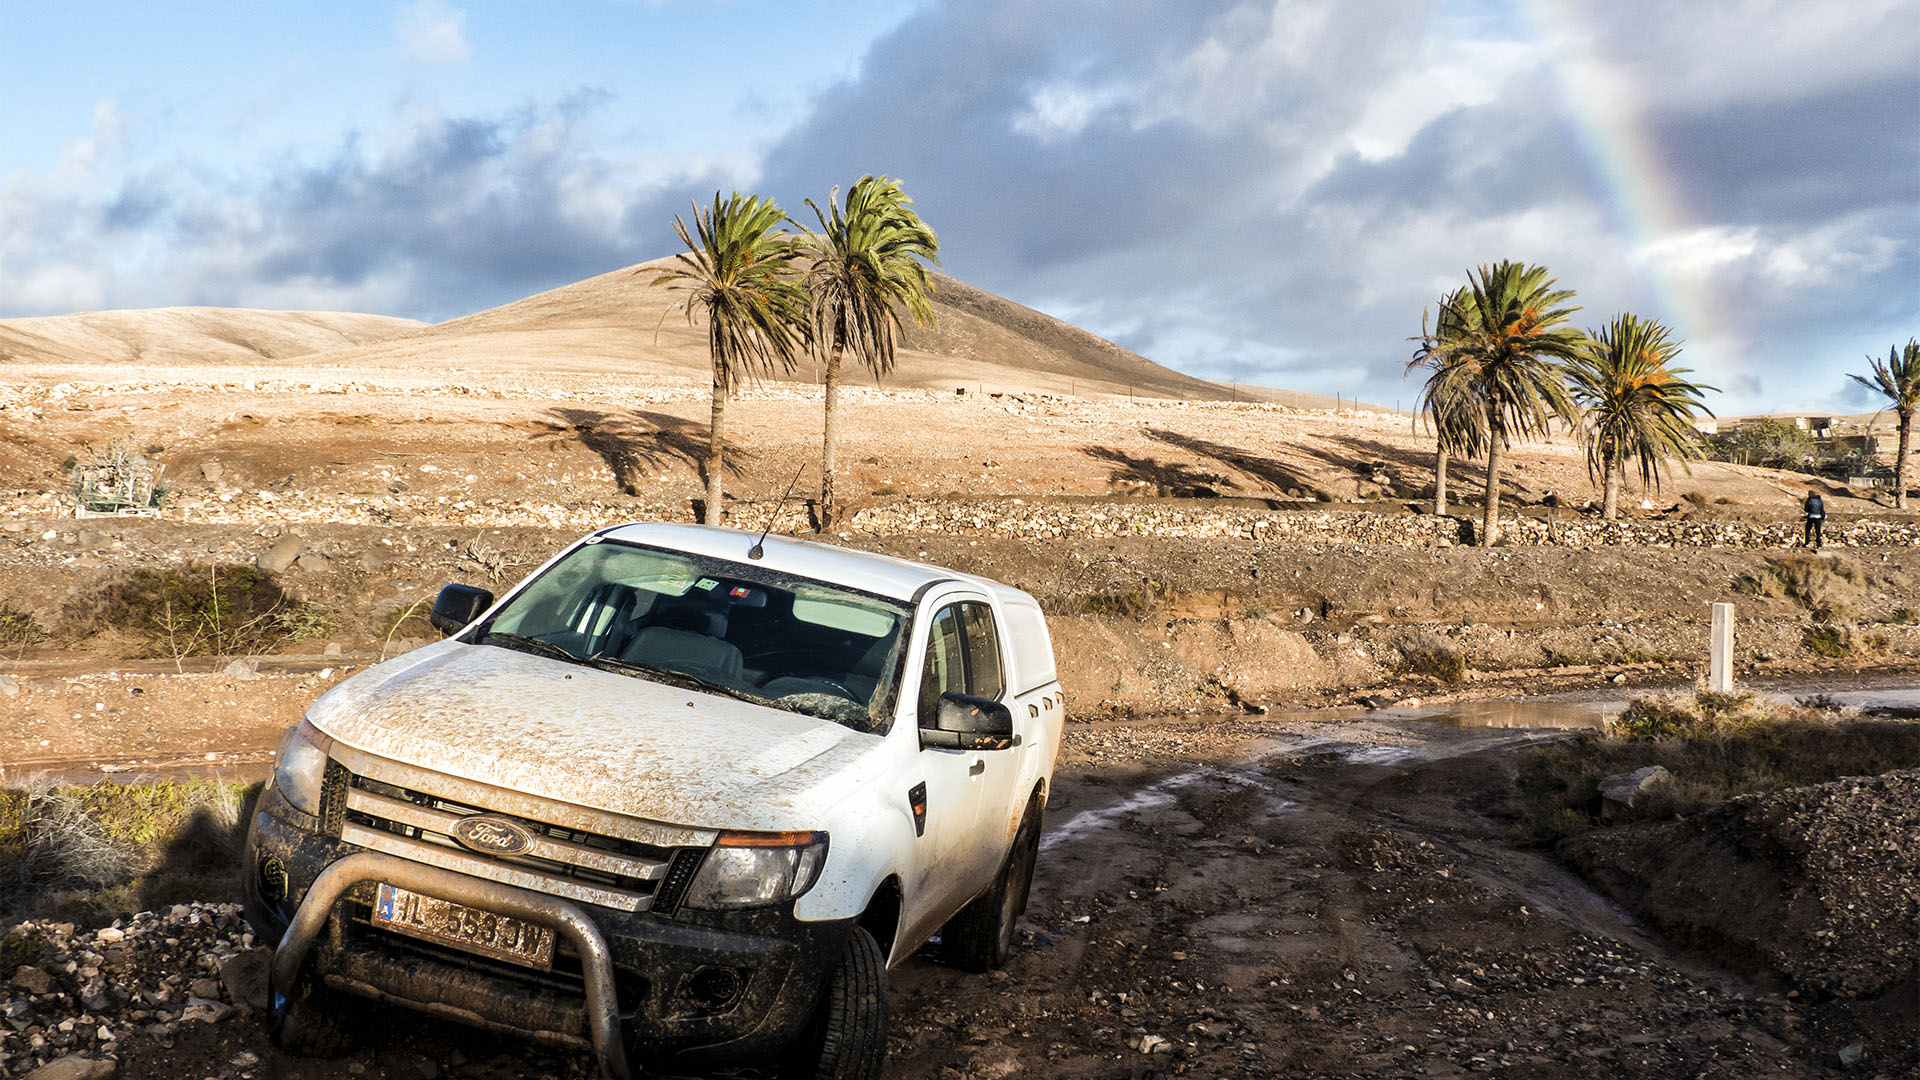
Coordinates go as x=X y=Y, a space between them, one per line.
x=595 y=738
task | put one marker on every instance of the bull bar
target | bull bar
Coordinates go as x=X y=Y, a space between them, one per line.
x=565 y=918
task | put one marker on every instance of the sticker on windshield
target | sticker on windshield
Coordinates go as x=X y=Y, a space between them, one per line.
x=706 y=584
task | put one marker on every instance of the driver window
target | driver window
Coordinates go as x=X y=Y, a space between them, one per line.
x=983 y=652
x=945 y=668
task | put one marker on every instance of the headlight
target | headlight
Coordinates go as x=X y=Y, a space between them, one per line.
x=746 y=869
x=299 y=766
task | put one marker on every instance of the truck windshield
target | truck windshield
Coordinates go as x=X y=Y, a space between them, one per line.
x=790 y=642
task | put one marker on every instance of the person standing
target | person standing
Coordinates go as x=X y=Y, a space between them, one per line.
x=1816 y=515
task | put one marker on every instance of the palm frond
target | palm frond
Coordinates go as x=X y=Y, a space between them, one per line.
x=735 y=275
x=1638 y=407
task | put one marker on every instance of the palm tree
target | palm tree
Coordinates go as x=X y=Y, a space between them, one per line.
x=866 y=266
x=1898 y=378
x=736 y=275
x=1638 y=406
x=1507 y=331
x=1459 y=418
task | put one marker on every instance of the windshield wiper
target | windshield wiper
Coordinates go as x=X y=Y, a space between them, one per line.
x=669 y=675
x=530 y=645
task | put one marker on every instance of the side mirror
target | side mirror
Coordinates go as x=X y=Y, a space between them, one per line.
x=457 y=606
x=966 y=722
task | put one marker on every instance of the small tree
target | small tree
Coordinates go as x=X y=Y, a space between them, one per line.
x=866 y=264
x=1507 y=329
x=736 y=276
x=1638 y=406
x=1898 y=379
x=1459 y=418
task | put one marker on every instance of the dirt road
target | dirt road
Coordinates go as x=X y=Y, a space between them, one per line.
x=1282 y=897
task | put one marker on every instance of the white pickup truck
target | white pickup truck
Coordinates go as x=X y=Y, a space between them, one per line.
x=680 y=798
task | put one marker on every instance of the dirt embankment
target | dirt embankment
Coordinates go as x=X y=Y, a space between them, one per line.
x=1140 y=625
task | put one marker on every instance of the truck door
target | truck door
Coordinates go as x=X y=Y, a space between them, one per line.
x=957 y=860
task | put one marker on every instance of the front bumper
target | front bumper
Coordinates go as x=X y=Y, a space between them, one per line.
x=624 y=984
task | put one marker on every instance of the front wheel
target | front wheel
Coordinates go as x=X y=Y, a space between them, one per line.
x=980 y=937
x=848 y=1038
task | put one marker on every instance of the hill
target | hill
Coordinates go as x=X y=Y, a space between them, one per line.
x=189 y=335
x=617 y=322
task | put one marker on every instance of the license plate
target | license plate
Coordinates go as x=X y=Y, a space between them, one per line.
x=429 y=918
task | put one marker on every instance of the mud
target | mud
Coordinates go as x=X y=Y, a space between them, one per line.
x=1224 y=896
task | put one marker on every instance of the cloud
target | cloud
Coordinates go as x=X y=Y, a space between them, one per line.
x=437 y=218
x=430 y=32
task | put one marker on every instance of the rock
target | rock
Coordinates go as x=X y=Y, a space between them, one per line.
x=281 y=556
x=32 y=980
x=245 y=1059
x=1851 y=1054
x=1619 y=679
x=205 y=988
x=93 y=997
x=205 y=1010
x=110 y=935
x=9 y=686
x=245 y=976
x=373 y=561
x=314 y=563
x=74 y=1067
x=243 y=670
x=212 y=471
x=1152 y=1044
x=333 y=649
x=1624 y=791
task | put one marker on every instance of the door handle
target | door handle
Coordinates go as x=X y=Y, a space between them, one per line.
x=979 y=766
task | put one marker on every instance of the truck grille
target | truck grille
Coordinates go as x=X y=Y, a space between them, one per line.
x=575 y=864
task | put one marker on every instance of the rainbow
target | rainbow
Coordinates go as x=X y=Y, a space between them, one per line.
x=1640 y=200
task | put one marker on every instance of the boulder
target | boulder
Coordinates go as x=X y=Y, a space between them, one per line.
x=281 y=556
x=32 y=980
x=75 y=1067
x=1624 y=791
x=244 y=974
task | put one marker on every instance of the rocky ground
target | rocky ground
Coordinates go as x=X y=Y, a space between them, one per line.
x=1217 y=897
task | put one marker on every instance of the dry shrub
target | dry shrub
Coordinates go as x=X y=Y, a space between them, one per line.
x=99 y=851
x=1841 y=641
x=199 y=610
x=1832 y=589
x=19 y=627
x=1716 y=746
x=1433 y=656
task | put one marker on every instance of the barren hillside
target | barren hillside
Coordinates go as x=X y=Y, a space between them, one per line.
x=189 y=335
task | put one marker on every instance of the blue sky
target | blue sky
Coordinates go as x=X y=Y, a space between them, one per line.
x=1258 y=190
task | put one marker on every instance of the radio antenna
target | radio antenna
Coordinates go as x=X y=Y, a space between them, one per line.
x=758 y=550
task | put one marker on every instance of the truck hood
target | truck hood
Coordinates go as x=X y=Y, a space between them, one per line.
x=594 y=738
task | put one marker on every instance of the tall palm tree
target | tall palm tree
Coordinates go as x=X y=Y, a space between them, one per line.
x=865 y=266
x=736 y=276
x=1898 y=378
x=1509 y=329
x=1459 y=418
x=1639 y=407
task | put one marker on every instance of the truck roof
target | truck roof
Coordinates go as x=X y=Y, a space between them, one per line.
x=885 y=575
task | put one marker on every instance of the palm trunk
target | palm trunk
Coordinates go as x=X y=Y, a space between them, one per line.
x=1610 y=500
x=1900 y=461
x=829 y=513
x=1489 y=527
x=1440 y=481
x=716 y=448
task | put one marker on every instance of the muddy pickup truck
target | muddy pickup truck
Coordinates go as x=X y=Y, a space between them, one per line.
x=680 y=798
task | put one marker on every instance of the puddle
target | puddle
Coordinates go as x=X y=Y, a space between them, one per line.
x=1527 y=713
x=1153 y=796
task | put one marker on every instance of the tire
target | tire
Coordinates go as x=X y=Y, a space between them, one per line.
x=980 y=937
x=310 y=1024
x=848 y=1037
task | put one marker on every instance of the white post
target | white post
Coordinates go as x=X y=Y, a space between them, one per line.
x=1720 y=670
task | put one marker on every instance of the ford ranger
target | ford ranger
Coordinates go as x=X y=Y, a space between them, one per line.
x=680 y=799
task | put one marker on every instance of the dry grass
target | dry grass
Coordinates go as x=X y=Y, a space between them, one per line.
x=1716 y=746
x=1433 y=656
x=99 y=852
x=1832 y=589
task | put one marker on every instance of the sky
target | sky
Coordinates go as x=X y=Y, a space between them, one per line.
x=1258 y=191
